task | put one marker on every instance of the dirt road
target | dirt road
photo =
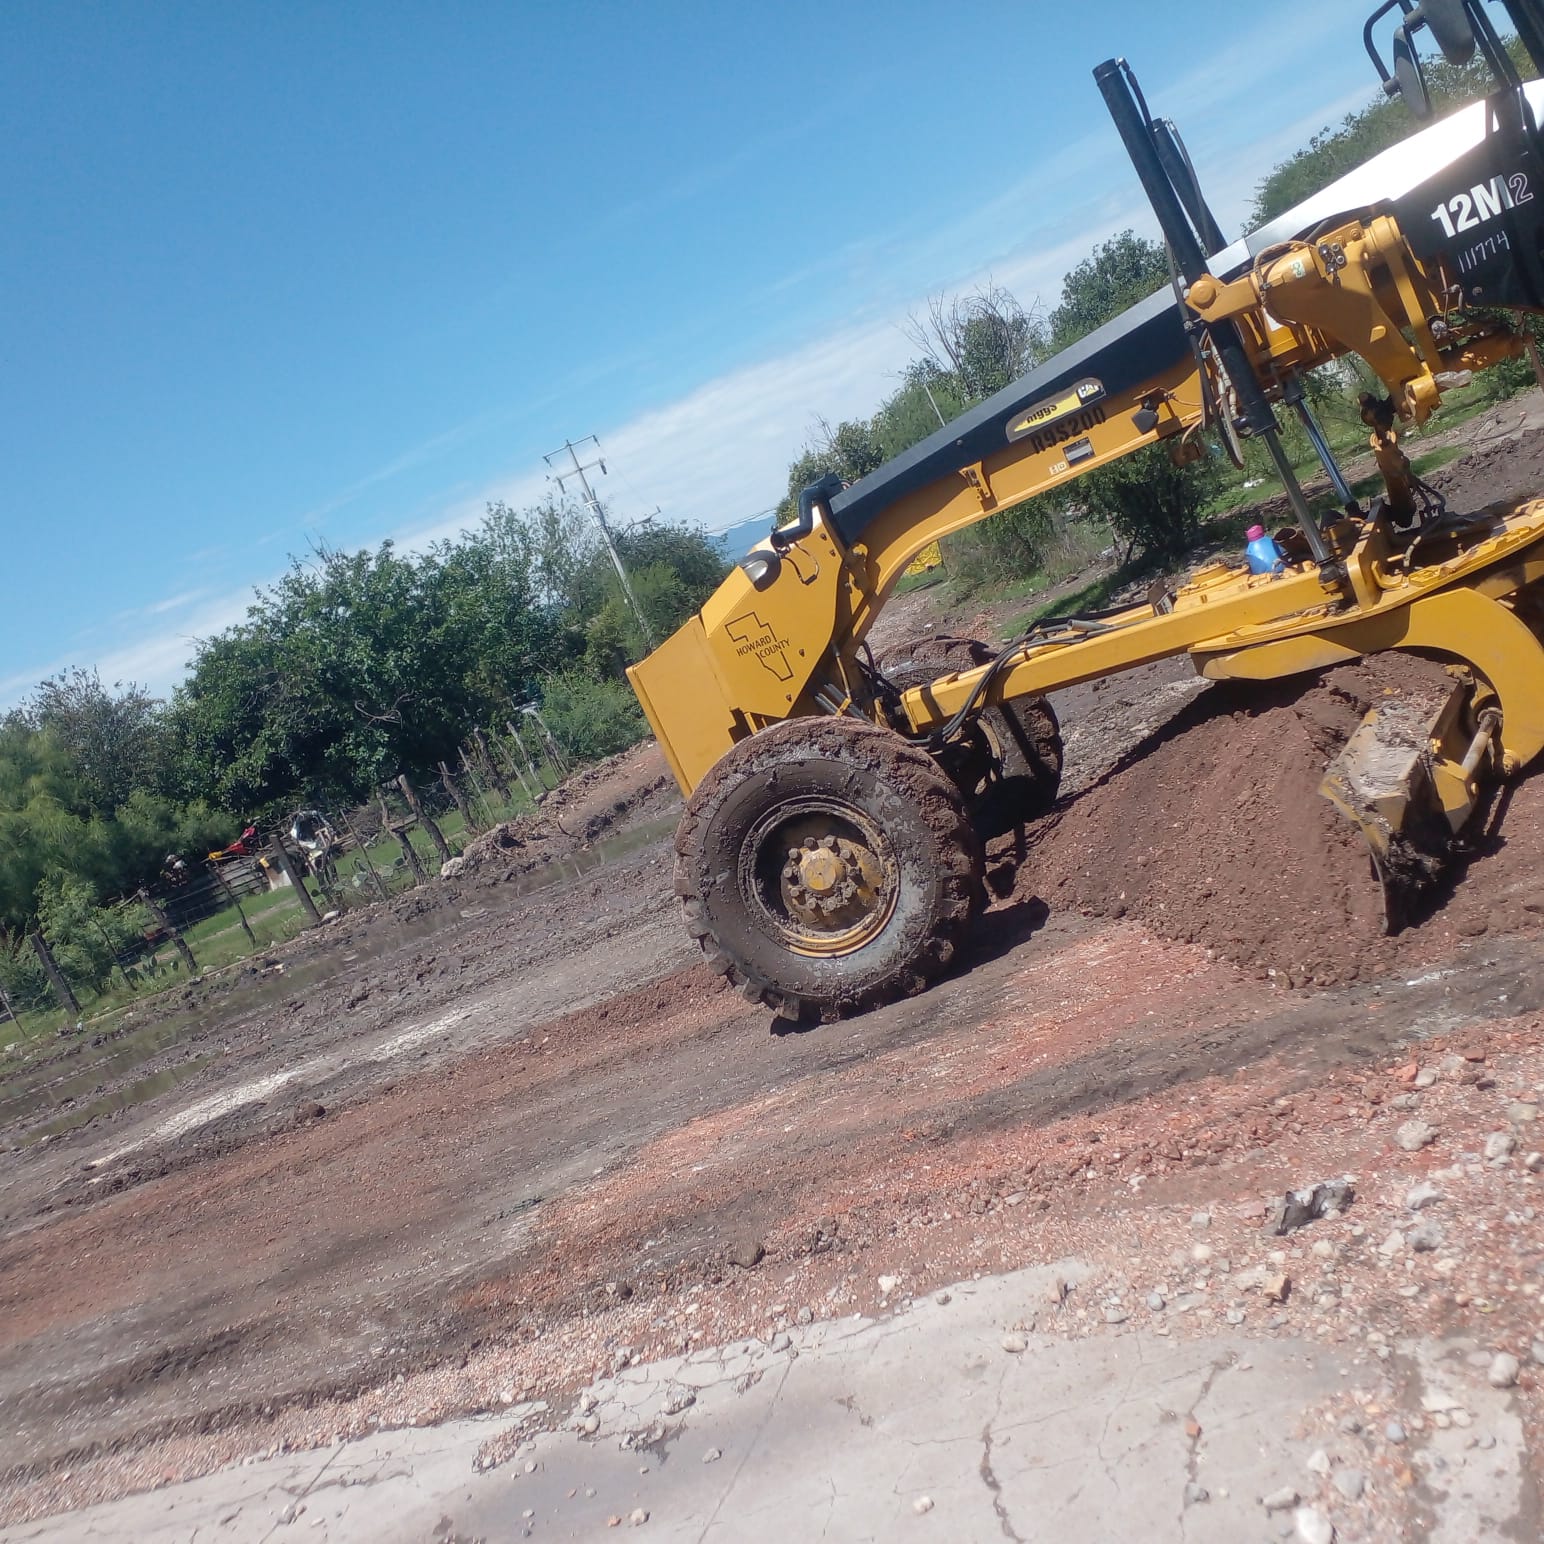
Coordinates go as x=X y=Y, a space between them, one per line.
x=490 y=1141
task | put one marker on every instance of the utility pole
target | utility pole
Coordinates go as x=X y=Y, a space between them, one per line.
x=942 y=421
x=592 y=504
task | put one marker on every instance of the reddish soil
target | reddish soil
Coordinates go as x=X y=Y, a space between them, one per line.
x=1213 y=831
x=496 y=1136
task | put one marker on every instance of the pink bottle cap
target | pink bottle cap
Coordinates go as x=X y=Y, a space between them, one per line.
x=1254 y=533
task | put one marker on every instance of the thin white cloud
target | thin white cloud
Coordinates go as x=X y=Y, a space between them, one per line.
x=427 y=450
x=160 y=660
x=156 y=660
x=173 y=603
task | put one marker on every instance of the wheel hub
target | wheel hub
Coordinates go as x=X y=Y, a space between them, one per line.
x=825 y=878
x=819 y=870
x=832 y=885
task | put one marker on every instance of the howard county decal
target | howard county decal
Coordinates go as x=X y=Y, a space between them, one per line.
x=757 y=637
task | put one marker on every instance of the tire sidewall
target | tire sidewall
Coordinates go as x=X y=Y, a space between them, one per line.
x=925 y=909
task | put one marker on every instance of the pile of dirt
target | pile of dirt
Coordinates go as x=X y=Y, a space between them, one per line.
x=511 y=848
x=627 y=788
x=1213 y=831
x=1506 y=461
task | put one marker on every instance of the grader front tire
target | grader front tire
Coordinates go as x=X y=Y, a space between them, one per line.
x=826 y=866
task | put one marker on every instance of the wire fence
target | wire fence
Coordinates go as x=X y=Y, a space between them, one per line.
x=207 y=914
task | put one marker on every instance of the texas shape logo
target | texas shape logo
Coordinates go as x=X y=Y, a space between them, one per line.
x=755 y=637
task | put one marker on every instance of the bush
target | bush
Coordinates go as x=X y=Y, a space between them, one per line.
x=85 y=938
x=1006 y=546
x=592 y=718
x=22 y=975
x=1152 y=505
x=1507 y=379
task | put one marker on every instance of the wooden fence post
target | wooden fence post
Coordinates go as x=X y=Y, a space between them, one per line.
x=381 y=892
x=490 y=766
x=511 y=765
x=408 y=852
x=460 y=799
x=551 y=743
x=55 y=976
x=112 y=955
x=435 y=834
x=525 y=755
x=475 y=784
x=235 y=900
x=505 y=760
x=281 y=854
x=165 y=924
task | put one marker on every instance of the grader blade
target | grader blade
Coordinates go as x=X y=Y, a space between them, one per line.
x=1406 y=779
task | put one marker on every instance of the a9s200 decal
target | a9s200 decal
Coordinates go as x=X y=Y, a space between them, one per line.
x=1055 y=420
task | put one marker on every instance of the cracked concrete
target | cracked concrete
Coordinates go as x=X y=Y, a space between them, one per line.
x=989 y=1474
x=1476 y=1492
x=837 y=1436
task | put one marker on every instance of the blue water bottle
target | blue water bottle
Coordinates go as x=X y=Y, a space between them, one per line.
x=1263 y=553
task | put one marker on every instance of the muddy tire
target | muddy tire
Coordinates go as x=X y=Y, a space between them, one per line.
x=826 y=866
x=1025 y=735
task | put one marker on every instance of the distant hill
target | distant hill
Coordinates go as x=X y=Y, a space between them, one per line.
x=739 y=539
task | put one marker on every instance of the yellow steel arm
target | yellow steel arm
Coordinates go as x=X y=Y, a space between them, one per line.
x=787 y=642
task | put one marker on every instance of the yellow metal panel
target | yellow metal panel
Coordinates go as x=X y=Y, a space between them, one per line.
x=764 y=644
x=692 y=736
x=1461 y=623
x=930 y=557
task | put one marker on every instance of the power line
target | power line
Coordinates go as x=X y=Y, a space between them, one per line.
x=598 y=514
x=761 y=514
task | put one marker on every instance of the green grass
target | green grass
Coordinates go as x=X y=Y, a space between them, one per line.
x=275 y=916
x=1094 y=596
x=908 y=584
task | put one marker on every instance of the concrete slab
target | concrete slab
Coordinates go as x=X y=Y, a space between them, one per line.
x=918 y=1426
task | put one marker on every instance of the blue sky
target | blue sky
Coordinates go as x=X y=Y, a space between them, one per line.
x=295 y=273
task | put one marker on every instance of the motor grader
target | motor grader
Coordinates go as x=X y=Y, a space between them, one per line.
x=830 y=853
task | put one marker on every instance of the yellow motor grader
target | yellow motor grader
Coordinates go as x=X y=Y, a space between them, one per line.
x=828 y=859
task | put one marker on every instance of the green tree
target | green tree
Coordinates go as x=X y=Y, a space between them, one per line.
x=1151 y=503
x=21 y=973
x=985 y=340
x=672 y=569
x=68 y=811
x=110 y=738
x=592 y=716
x=1385 y=121
x=851 y=450
x=85 y=939
x=1112 y=278
x=613 y=639
x=40 y=825
x=927 y=398
x=355 y=667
